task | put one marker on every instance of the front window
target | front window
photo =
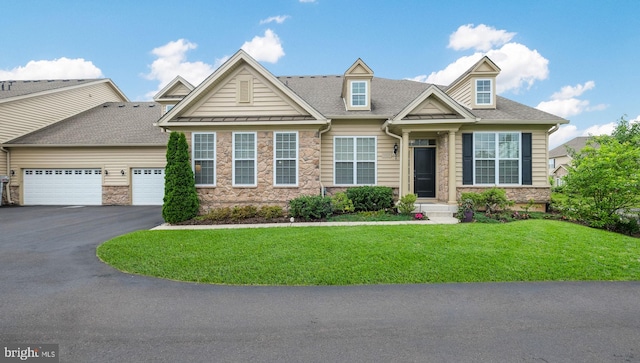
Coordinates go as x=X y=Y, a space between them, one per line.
x=286 y=158
x=244 y=159
x=355 y=161
x=204 y=158
x=497 y=158
x=358 y=93
x=483 y=92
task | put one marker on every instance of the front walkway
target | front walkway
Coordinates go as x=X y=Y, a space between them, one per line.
x=432 y=220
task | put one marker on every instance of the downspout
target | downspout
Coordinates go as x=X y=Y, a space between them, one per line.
x=322 y=189
x=386 y=131
x=554 y=129
x=8 y=172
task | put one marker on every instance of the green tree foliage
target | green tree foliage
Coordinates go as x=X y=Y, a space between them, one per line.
x=180 y=196
x=604 y=178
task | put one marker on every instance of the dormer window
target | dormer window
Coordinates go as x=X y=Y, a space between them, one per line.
x=358 y=93
x=483 y=92
x=168 y=108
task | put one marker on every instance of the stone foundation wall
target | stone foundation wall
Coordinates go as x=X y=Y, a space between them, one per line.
x=15 y=194
x=224 y=194
x=116 y=195
x=442 y=171
x=520 y=195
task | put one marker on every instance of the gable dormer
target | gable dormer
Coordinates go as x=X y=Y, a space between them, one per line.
x=476 y=88
x=173 y=92
x=356 y=87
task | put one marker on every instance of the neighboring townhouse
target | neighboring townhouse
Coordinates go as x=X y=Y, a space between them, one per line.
x=559 y=158
x=260 y=139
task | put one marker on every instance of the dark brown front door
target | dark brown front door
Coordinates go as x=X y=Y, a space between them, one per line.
x=424 y=172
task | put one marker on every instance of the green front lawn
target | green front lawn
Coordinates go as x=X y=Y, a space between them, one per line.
x=530 y=250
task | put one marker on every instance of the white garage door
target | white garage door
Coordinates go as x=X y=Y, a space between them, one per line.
x=63 y=187
x=147 y=186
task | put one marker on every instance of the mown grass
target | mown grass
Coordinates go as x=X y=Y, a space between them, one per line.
x=531 y=250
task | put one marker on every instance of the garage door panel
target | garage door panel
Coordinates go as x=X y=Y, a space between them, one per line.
x=62 y=187
x=147 y=186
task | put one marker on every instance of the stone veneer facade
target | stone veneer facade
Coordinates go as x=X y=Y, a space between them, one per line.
x=224 y=194
x=520 y=195
x=116 y=195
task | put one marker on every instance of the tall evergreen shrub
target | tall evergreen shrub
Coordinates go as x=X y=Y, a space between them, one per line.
x=180 y=196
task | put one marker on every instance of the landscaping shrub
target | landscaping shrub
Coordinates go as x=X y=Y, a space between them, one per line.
x=244 y=212
x=341 y=203
x=493 y=200
x=310 y=207
x=271 y=212
x=218 y=214
x=407 y=204
x=370 y=198
x=180 y=197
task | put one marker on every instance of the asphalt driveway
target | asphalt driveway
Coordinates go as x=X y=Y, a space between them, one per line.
x=53 y=289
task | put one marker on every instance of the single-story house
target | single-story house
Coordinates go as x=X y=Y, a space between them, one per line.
x=260 y=139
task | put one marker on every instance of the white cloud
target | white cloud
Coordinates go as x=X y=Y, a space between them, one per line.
x=451 y=72
x=565 y=102
x=481 y=38
x=637 y=119
x=278 y=19
x=60 y=68
x=567 y=92
x=172 y=61
x=568 y=132
x=267 y=48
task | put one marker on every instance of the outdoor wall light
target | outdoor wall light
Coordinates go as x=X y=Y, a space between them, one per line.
x=122 y=172
x=395 y=149
x=106 y=172
x=13 y=173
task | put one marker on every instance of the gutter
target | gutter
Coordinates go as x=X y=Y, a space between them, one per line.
x=8 y=172
x=554 y=129
x=322 y=190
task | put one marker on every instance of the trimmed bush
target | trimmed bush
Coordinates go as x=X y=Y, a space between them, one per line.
x=271 y=212
x=310 y=207
x=218 y=214
x=407 y=204
x=180 y=197
x=240 y=213
x=341 y=203
x=370 y=198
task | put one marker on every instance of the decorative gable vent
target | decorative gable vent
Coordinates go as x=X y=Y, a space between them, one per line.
x=244 y=89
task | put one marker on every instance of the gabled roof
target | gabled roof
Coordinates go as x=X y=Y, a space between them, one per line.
x=576 y=144
x=11 y=90
x=238 y=59
x=485 y=65
x=109 y=124
x=435 y=92
x=176 y=83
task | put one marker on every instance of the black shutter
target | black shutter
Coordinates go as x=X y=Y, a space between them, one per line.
x=527 y=169
x=467 y=159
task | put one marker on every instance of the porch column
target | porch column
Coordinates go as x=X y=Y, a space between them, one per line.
x=452 y=167
x=405 y=159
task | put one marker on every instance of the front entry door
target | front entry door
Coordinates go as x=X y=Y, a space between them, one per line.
x=424 y=172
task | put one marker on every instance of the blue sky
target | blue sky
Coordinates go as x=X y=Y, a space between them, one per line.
x=576 y=59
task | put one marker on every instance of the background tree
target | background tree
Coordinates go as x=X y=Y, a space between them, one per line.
x=604 y=178
x=180 y=196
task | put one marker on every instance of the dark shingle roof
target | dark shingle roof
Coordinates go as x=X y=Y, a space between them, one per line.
x=389 y=97
x=112 y=123
x=576 y=144
x=9 y=89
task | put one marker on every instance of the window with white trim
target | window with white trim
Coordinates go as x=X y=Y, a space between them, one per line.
x=354 y=160
x=204 y=158
x=496 y=158
x=483 y=92
x=358 y=93
x=244 y=158
x=285 y=158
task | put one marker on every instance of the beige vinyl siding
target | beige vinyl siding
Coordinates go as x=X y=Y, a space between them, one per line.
x=26 y=115
x=387 y=165
x=111 y=159
x=3 y=163
x=178 y=90
x=266 y=100
x=540 y=168
x=462 y=93
x=431 y=106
